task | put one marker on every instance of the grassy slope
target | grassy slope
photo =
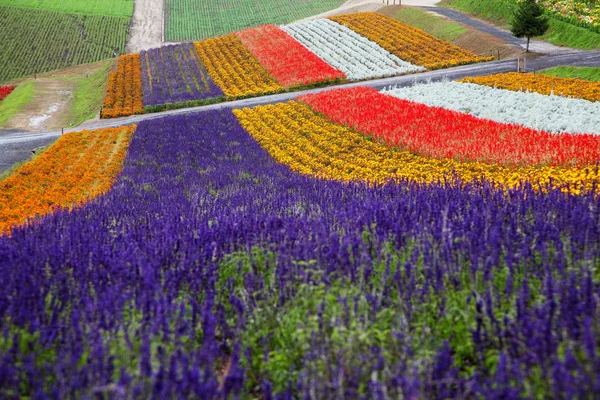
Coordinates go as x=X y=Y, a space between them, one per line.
x=89 y=95
x=200 y=19
x=115 y=8
x=35 y=41
x=439 y=27
x=15 y=101
x=500 y=12
x=587 y=73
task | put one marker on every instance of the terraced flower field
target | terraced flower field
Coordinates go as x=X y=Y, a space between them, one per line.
x=201 y=19
x=297 y=250
x=270 y=59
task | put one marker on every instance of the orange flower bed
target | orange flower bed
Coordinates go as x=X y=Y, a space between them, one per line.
x=406 y=42
x=543 y=84
x=124 y=92
x=78 y=167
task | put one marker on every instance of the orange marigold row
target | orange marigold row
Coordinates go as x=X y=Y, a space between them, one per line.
x=539 y=83
x=408 y=43
x=78 y=167
x=124 y=93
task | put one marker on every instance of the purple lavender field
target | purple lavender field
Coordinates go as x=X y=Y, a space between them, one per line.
x=210 y=271
x=174 y=74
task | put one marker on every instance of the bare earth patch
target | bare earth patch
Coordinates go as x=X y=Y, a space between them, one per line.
x=50 y=107
x=146 y=29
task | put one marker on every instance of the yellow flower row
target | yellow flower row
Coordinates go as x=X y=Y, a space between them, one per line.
x=309 y=144
x=79 y=166
x=234 y=69
x=539 y=83
x=408 y=43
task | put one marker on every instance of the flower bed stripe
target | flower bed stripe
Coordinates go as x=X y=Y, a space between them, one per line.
x=549 y=113
x=408 y=43
x=174 y=74
x=234 y=69
x=440 y=133
x=356 y=56
x=5 y=91
x=309 y=144
x=124 y=92
x=540 y=83
x=78 y=167
x=290 y=63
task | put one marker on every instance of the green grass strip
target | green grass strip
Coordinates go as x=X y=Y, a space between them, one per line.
x=89 y=95
x=14 y=102
x=113 y=8
x=436 y=26
x=587 y=73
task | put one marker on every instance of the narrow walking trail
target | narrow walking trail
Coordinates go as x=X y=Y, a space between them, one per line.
x=146 y=31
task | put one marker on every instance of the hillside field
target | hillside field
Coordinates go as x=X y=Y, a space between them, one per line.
x=115 y=8
x=200 y=19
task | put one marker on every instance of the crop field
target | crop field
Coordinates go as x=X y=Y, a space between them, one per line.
x=114 y=8
x=349 y=243
x=270 y=59
x=58 y=41
x=201 y=19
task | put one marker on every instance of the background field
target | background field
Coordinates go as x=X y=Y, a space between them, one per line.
x=116 y=8
x=500 y=12
x=200 y=19
x=60 y=40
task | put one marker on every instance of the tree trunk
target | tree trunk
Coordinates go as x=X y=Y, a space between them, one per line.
x=527 y=50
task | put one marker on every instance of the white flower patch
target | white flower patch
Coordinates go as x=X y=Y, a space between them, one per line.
x=549 y=113
x=356 y=56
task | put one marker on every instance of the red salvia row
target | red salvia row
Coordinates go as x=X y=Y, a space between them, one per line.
x=5 y=91
x=290 y=63
x=440 y=133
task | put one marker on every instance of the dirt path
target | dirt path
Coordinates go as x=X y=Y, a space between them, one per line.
x=51 y=105
x=352 y=6
x=146 y=29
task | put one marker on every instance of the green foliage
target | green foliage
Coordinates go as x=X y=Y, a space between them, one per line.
x=587 y=73
x=57 y=41
x=436 y=26
x=200 y=19
x=565 y=34
x=529 y=21
x=15 y=101
x=115 y=8
x=89 y=95
x=500 y=12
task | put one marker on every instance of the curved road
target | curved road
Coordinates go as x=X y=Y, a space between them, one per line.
x=19 y=146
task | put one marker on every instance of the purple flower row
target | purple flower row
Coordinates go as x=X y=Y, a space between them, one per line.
x=175 y=74
x=162 y=288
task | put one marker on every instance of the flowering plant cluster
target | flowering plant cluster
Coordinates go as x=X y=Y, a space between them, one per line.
x=124 y=91
x=356 y=56
x=5 y=91
x=583 y=13
x=540 y=83
x=408 y=43
x=211 y=271
x=289 y=62
x=308 y=143
x=174 y=74
x=549 y=113
x=441 y=133
x=78 y=167
x=270 y=59
x=234 y=69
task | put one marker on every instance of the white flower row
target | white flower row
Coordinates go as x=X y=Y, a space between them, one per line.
x=549 y=113
x=356 y=56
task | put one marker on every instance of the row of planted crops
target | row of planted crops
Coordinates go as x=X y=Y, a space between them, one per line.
x=420 y=243
x=270 y=59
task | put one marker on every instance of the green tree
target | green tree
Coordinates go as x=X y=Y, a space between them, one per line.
x=529 y=21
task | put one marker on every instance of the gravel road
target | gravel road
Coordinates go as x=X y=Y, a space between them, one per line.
x=18 y=146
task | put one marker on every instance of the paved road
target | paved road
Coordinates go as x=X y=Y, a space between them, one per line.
x=18 y=146
x=535 y=45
